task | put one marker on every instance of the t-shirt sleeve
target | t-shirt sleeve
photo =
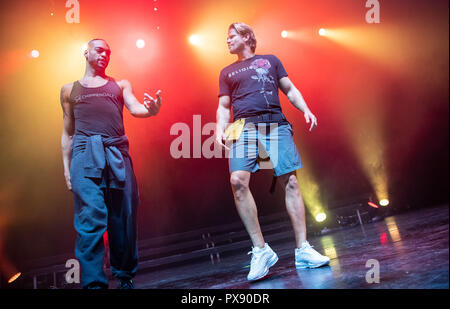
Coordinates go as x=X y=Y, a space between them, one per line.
x=281 y=72
x=224 y=87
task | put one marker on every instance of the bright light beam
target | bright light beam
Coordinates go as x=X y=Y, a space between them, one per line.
x=311 y=193
x=140 y=43
x=384 y=202
x=194 y=39
x=34 y=53
x=321 y=217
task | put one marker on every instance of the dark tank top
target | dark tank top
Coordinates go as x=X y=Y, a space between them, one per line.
x=98 y=110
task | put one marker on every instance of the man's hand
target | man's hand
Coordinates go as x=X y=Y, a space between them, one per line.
x=68 y=182
x=152 y=105
x=220 y=139
x=310 y=118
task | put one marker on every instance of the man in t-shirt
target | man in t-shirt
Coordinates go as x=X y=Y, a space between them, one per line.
x=250 y=85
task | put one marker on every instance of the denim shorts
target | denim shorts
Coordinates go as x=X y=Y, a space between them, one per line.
x=265 y=146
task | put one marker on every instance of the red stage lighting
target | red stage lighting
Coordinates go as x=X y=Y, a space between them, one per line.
x=383 y=238
x=372 y=205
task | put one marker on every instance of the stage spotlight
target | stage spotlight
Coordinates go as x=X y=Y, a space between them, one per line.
x=194 y=39
x=34 y=53
x=8 y=270
x=284 y=34
x=14 y=277
x=321 y=217
x=140 y=43
x=372 y=205
x=322 y=32
x=384 y=202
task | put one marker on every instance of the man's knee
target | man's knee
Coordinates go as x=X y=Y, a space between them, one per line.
x=292 y=184
x=239 y=181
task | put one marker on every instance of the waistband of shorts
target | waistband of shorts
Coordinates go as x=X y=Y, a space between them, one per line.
x=268 y=117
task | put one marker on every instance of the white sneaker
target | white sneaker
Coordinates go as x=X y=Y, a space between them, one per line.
x=262 y=260
x=307 y=257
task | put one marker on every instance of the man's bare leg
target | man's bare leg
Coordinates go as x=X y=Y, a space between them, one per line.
x=246 y=206
x=295 y=206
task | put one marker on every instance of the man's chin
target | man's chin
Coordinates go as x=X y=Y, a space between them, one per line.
x=102 y=66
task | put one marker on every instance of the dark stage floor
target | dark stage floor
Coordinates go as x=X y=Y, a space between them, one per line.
x=412 y=250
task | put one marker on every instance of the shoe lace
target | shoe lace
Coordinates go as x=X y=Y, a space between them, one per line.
x=254 y=256
x=307 y=247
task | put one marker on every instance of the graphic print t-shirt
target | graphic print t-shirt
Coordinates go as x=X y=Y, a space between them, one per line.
x=252 y=85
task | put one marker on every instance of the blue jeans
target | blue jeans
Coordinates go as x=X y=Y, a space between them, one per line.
x=97 y=209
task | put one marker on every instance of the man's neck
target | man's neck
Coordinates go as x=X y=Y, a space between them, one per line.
x=92 y=73
x=245 y=54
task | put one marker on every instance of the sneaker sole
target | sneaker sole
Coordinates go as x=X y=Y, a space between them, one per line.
x=310 y=265
x=272 y=262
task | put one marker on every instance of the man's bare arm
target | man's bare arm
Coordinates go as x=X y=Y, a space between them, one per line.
x=149 y=108
x=296 y=98
x=68 y=131
x=222 y=118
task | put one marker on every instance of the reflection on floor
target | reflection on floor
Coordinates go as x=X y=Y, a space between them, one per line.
x=412 y=251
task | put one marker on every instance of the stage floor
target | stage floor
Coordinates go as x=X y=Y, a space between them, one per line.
x=412 y=250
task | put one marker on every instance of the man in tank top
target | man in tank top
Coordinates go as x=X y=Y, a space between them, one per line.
x=249 y=88
x=98 y=168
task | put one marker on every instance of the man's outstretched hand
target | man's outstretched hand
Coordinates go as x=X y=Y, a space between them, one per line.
x=152 y=105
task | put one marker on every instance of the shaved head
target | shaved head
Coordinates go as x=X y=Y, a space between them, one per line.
x=91 y=42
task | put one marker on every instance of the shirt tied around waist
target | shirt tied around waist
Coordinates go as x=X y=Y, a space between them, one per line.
x=103 y=154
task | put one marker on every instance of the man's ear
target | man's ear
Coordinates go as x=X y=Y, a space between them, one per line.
x=86 y=54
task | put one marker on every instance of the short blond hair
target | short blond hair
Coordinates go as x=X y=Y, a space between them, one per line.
x=244 y=29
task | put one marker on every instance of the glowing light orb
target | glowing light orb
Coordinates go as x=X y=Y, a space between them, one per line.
x=140 y=43
x=322 y=32
x=194 y=39
x=284 y=34
x=34 y=53
x=384 y=202
x=321 y=217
